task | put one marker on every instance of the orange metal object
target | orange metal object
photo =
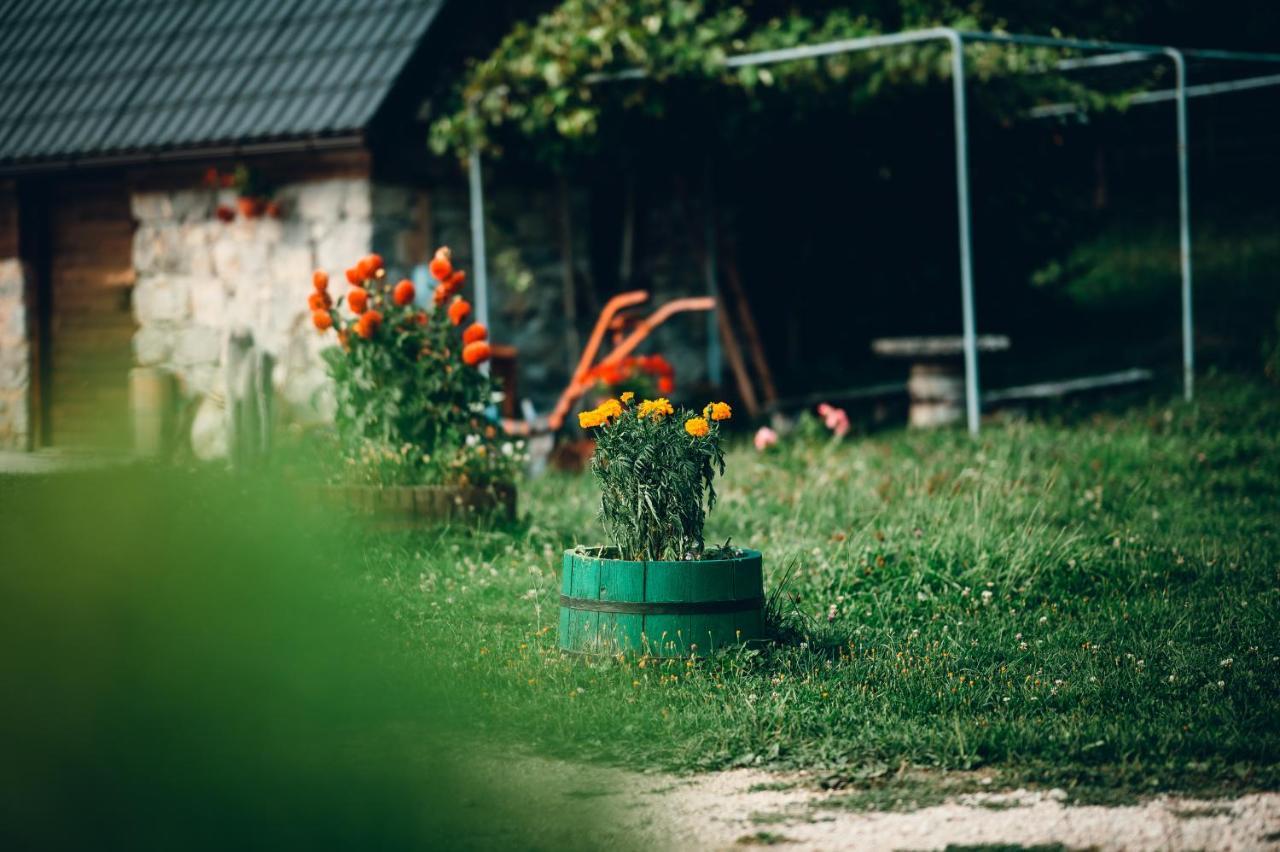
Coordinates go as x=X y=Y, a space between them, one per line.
x=579 y=384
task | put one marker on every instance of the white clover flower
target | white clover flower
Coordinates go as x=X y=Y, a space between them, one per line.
x=1226 y=664
x=508 y=448
x=473 y=440
x=1044 y=619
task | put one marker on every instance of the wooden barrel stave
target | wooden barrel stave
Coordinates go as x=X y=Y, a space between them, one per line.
x=611 y=606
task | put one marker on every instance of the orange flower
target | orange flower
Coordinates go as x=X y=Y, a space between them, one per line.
x=420 y=318
x=718 y=411
x=403 y=293
x=321 y=320
x=368 y=323
x=697 y=427
x=369 y=265
x=441 y=295
x=358 y=300
x=476 y=352
x=474 y=332
x=590 y=419
x=660 y=407
x=354 y=275
x=319 y=301
x=666 y=384
x=441 y=266
x=456 y=280
x=627 y=397
x=459 y=310
x=610 y=408
x=320 y=279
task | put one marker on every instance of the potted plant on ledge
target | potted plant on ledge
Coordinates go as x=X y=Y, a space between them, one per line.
x=658 y=589
x=415 y=439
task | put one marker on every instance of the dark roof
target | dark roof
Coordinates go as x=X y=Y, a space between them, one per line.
x=101 y=79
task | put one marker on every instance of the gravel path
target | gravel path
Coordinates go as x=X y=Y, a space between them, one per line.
x=744 y=808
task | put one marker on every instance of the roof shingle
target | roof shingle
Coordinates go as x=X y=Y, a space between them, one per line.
x=98 y=78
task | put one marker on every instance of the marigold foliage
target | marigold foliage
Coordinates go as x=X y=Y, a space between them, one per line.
x=656 y=469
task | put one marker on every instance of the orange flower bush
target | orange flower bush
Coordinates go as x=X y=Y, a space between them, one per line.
x=649 y=374
x=653 y=456
x=405 y=377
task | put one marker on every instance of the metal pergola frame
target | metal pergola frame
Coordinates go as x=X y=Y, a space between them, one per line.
x=1113 y=53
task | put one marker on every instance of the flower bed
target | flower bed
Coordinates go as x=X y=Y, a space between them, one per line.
x=413 y=402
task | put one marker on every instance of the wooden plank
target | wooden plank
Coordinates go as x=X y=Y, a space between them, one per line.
x=585 y=626
x=622 y=581
x=667 y=582
x=712 y=581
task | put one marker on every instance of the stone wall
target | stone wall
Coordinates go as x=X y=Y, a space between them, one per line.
x=15 y=358
x=200 y=279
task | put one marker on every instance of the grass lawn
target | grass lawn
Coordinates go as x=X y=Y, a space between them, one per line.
x=1091 y=602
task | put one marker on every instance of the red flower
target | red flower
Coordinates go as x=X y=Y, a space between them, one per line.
x=475 y=353
x=320 y=279
x=441 y=265
x=666 y=385
x=474 y=332
x=368 y=324
x=403 y=293
x=319 y=301
x=354 y=276
x=369 y=265
x=459 y=310
x=225 y=213
x=358 y=300
x=322 y=320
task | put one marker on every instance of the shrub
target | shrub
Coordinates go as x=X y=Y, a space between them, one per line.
x=410 y=404
x=656 y=468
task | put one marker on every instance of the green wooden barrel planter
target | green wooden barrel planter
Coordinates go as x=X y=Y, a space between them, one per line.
x=667 y=609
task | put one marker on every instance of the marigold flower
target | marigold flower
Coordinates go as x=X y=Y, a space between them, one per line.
x=627 y=397
x=319 y=301
x=590 y=419
x=475 y=353
x=610 y=408
x=660 y=407
x=456 y=279
x=420 y=318
x=358 y=300
x=459 y=310
x=441 y=295
x=441 y=267
x=321 y=320
x=697 y=427
x=354 y=276
x=718 y=411
x=368 y=324
x=404 y=293
x=320 y=279
x=474 y=332
x=369 y=265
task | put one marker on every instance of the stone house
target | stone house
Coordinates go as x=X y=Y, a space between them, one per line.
x=115 y=259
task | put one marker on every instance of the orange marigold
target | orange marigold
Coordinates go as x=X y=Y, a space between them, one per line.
x=368 y=324
x=697 y=427
x=320 y=279
x=459 y=310
x=474 y=332
x=354 y=276
x=627 y=397
x=476 y=352
x=319 y=301
x=358 y=300
x=321 y=320
x=660 y=407
x=404 y=293
x=666 y=384
x=369 y=265
x=718 y=411
x=610 y=408
x=590 y=419
x=441 y=265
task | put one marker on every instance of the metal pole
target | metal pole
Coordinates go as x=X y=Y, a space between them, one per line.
x=711 y=272
x=479 y=258
x=1184 y=228
x=972 y=392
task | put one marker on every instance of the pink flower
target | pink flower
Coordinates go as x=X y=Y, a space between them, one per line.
x=835 y=419
x=765 y=438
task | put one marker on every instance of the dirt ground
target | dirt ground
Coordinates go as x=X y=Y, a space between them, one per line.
x=744 y=808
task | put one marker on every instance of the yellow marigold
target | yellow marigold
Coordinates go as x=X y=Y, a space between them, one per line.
x=588 y=419
x=627 y=397
x=610 y=408
x=697 y=427
x=718 y=411
x=659 y=407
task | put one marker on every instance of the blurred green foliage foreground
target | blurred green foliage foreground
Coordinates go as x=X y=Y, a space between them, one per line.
x=186 y=665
